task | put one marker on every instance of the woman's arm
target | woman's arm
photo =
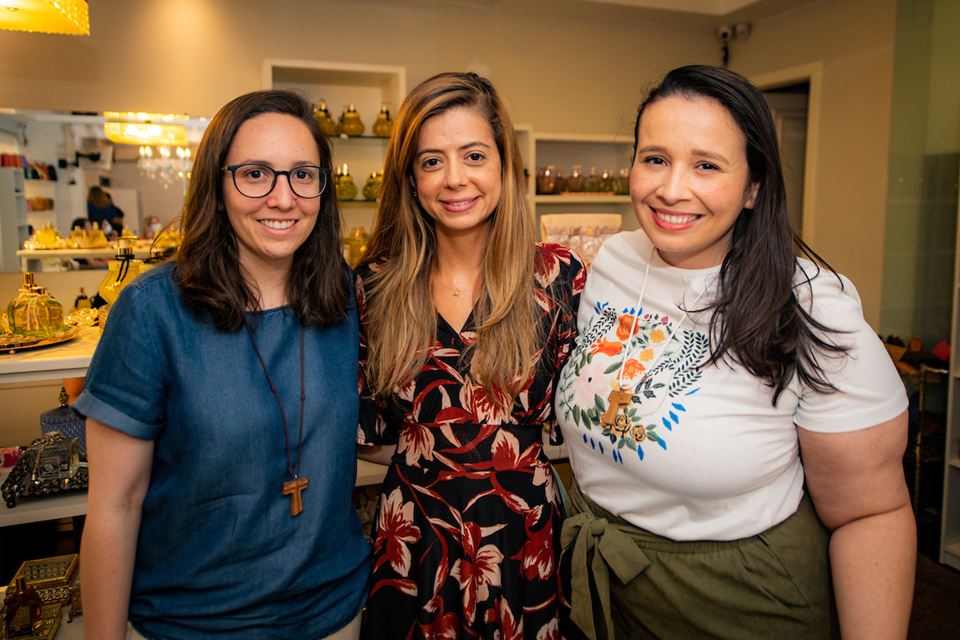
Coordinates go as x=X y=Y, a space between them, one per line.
x=119 y=475
x=856 y=482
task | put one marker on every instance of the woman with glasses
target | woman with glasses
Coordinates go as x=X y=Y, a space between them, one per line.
x=222 y=406
x=467 y=322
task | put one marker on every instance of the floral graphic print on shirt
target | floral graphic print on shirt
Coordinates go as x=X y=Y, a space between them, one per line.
x=660 y=370
x=467 y=534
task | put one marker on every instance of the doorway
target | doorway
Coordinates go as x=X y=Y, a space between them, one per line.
x=789 y=105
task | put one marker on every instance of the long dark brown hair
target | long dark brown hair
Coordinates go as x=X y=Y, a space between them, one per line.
x=757 y=320
x=208 y=263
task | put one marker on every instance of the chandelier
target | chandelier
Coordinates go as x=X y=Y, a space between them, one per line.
x=168 y=165
x=162 y=143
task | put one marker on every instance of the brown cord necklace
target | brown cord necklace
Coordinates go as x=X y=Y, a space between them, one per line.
x=297 y=483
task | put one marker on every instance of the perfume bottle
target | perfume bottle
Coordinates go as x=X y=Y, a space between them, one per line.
x=343 y=183
x=82 y=300
x=96 y=238
x=606 y=182
x=356 y=244
x=33 y=310
x=383 y=125
x=57 y=460
x=350 y=123
x=47 y=237
x=327 y=124
x=575 y=181
x=23 y=617
x=120 y=271
x=371 y=190
x=591 y=184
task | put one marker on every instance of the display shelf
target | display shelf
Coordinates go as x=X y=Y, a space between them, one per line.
x=581 y=199
x=42 y=509
x=67 y=360
x=366 y=86
x=75 y=504
x=107 y=253
x=599 y=152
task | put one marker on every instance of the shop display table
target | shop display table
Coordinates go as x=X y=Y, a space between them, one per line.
x=106 y=253
x=67 y=360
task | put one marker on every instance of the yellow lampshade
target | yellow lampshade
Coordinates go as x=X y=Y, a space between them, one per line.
x=141 y=133
x=71 y=17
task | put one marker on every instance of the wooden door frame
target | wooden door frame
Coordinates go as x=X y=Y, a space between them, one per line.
x=812 y=74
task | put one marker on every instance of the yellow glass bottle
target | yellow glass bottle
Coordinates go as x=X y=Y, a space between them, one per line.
x=383 y=125
x=120 y=271
x=33 y=310
x=350 y=123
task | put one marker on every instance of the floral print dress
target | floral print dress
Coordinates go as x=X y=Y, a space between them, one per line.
x=467 y=532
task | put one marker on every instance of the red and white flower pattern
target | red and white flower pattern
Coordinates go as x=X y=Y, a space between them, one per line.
x=469 y=523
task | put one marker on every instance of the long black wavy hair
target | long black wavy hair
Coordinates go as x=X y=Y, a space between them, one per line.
x=208 y=262
x=757 y=320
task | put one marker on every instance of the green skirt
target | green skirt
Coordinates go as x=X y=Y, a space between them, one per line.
x=628 y=583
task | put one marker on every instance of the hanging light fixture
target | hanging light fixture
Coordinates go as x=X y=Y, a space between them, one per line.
x=70 y=17
x=155 y=133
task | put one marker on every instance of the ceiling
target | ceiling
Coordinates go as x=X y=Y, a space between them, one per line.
x=684 y=13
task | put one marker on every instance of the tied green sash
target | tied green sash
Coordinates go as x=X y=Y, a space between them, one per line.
x=613 y=549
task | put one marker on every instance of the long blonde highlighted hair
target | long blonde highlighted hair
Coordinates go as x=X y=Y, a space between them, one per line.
x=401 y=318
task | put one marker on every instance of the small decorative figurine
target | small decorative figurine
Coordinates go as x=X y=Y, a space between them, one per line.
x=383 y=125
x=350 y=123
x=327 y=124
x=371 y=190
x=343 y=183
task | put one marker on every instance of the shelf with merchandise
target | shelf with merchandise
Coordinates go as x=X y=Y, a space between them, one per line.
x=597 y=153
x=366 y=86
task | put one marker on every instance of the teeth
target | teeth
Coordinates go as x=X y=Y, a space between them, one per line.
x=676 y=219
x=278 y=224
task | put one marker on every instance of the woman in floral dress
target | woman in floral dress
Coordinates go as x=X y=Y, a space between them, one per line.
x=467 y=322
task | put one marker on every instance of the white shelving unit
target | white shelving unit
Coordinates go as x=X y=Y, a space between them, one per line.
x=601 y=152
x=339 y=84
x=950 y=518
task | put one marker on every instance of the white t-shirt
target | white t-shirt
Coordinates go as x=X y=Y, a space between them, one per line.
x=701 y=453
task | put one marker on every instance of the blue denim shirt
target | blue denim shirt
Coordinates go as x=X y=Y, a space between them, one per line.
x=218 y=553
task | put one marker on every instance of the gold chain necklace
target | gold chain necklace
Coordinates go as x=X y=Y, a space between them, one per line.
x=454 y=290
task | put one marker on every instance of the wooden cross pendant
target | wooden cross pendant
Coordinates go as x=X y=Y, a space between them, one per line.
x=294 y=488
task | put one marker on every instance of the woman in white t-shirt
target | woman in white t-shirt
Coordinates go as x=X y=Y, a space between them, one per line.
x=710 y=359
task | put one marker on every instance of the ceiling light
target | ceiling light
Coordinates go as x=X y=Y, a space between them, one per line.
x=71 y=17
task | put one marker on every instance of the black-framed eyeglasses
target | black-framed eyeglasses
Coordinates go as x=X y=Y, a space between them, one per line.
x=258 y=180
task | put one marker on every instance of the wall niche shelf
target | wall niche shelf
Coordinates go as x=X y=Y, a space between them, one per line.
x=368 y=87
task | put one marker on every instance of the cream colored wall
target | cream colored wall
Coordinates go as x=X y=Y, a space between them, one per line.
x=559 y=73
x=853 y=40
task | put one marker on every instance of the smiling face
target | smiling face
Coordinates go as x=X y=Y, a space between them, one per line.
x=457 y=171
x=270 y=229
x=690 y=179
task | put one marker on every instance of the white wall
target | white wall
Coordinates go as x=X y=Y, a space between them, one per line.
x=559 y=73
x=853 y=42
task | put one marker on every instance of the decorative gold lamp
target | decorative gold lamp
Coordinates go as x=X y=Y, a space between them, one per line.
x=70 y=17
x=153 y=133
